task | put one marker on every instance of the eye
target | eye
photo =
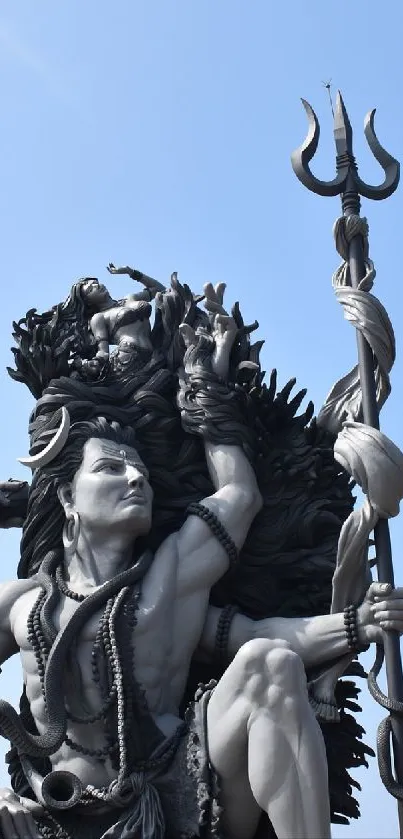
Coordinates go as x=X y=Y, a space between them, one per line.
x=113 y=468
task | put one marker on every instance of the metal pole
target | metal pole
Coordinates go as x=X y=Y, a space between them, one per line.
x=349 y=185
x=391 y=643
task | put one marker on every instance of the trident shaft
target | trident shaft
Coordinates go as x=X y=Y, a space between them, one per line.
x=350 y=187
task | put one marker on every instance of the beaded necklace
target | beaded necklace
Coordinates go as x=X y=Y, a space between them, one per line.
x=64 y=589
x=134 y=732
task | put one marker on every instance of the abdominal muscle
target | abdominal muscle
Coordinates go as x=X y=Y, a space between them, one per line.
x=90 y=769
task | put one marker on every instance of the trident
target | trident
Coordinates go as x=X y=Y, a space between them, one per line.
x=350 y=187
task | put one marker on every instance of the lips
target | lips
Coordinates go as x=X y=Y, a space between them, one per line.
x=134 y=496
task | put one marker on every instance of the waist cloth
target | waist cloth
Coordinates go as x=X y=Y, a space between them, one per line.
x=179 y=801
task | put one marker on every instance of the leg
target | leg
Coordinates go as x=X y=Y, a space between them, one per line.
x=267 y=747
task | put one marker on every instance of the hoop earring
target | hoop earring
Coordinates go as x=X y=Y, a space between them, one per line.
x=71 y=532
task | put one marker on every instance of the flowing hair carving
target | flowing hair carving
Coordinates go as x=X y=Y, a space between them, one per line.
x=48 y=343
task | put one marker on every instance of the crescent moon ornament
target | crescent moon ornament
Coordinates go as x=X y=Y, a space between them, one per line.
x=53 y=448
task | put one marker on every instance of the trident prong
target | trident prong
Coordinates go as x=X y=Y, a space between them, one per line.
x=302 y=157
x=389 y=164
x=347 y=177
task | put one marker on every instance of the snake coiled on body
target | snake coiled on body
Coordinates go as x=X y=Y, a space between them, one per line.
x=11 y=725
x=45 y=577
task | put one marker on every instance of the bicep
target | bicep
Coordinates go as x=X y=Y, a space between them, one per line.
x=202 y=560
x=206 y=551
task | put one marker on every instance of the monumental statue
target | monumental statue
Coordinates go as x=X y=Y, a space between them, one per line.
x=194 y=585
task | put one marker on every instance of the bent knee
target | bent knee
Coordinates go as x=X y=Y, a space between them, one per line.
x=283 y=660
x=252 y=656
x=285 y=668
x=269 y=670
x=259 y=661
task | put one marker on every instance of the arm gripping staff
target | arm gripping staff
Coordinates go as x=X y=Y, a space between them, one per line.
x=351 y=241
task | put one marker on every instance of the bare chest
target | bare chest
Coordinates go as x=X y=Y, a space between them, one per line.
x=158 y=628
x=123 y=327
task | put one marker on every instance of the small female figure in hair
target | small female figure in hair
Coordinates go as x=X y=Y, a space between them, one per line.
x=75 y=336
x=99 y=321
x=126 y=322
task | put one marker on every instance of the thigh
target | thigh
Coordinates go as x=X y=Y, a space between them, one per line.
x=237 y=694
x=229 y=709
x=227 y=718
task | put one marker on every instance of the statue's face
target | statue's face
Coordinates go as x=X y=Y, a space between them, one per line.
x=95 y=293
x=111 y=492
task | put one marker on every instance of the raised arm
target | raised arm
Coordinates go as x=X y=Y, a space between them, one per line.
x=216 y=528
x=237 y=499
x=151 y=286
x=205 y=549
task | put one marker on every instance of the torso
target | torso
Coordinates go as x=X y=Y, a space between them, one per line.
x=168 y=630
x=130 y=324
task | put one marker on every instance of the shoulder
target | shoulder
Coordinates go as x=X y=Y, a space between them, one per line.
x=97 y=319
x=10 y=592
x=202 y=555
x=13 y=604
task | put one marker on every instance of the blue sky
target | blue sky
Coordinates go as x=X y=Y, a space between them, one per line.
x=158 y=134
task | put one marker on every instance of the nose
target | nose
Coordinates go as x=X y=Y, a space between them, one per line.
x=134 y=477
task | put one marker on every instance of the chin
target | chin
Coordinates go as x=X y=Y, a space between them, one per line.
x=144 y=531
x=140 y=525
